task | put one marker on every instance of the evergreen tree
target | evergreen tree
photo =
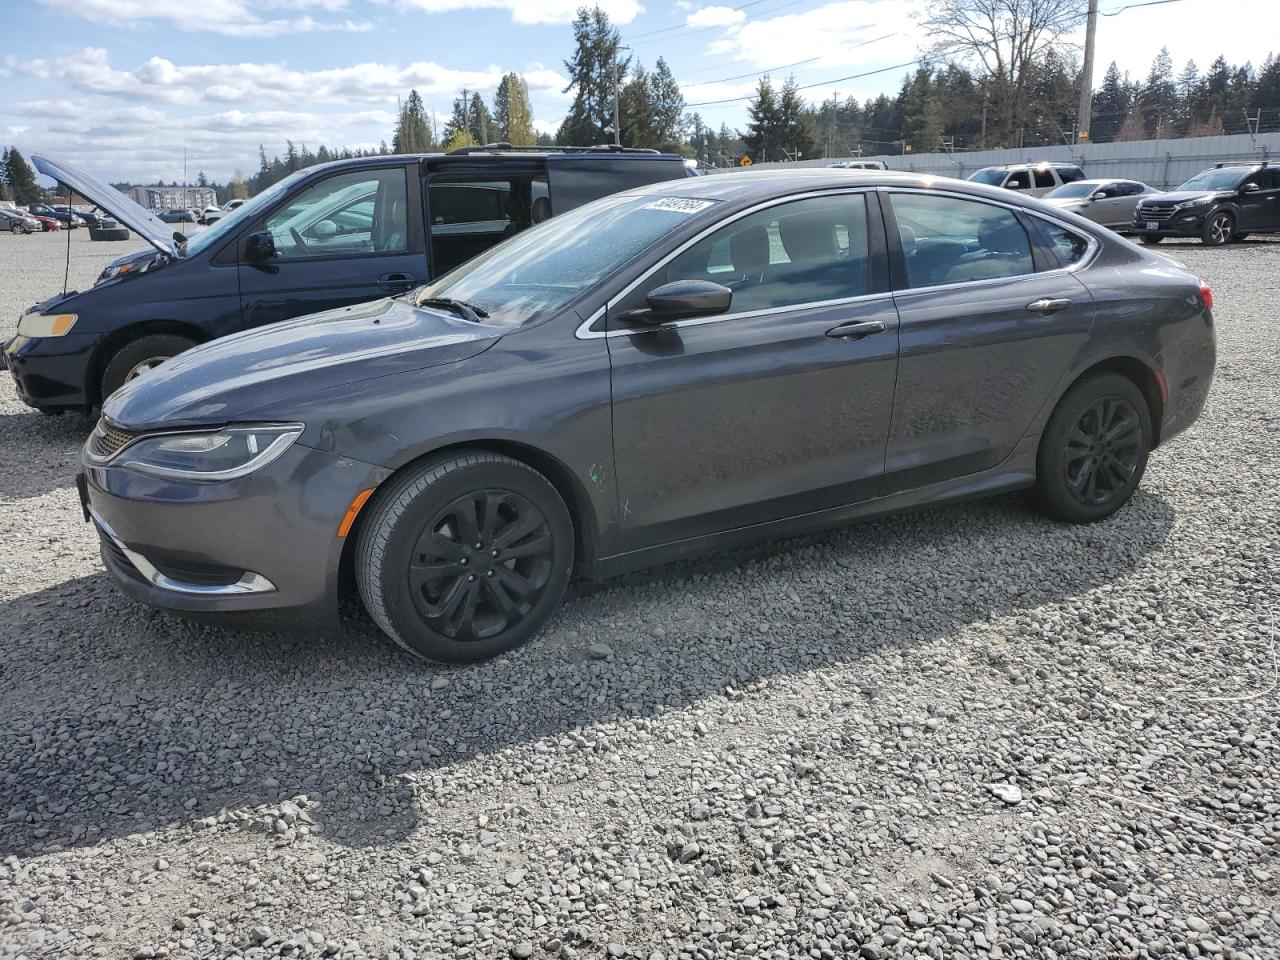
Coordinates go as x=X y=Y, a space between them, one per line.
x=413 y=133
x=765 y=126
x=636 y=111
x=799 y=134
x=482 y=127
x=667 y=104
x=518 y=129
x=1110 y=105
x=4 y=175
x=921 y=111
x=21 y=179
x=591 y=74
x=1159 y=96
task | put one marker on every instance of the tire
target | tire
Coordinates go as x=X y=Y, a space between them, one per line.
x=17 y=228
x=1218 y=229
x=1091 y=417
x=426 y=519
x=1151 y=241
x=125 y=363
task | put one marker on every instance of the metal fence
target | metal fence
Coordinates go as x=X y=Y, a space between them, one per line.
x=1160 y=163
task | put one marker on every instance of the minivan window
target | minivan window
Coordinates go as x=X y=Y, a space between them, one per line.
x=543 y=269
x=948 y=240
x=805 y=251
x=344 y=215
x=222 y=226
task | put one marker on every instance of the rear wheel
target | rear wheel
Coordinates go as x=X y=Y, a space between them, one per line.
x=1218 y=229
x=1094 y=449
x=138 y=356
x=465 y=557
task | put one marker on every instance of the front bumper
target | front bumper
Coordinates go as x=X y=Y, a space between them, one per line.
x=264 y=543
x=51 y=372
x=1179 y=225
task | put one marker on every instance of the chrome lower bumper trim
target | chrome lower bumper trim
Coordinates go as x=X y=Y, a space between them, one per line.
x=250 y=582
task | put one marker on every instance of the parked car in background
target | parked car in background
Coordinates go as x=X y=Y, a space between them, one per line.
x=214 y=214
x=328 y=236
x=47 y=224
x=1220 y=205
x=64 y=216
x=18 y=221
x=1030 y=179
x=748 y=356
x=179 y=216
x=858 y=165
x=1108 y=202
x=90 y=215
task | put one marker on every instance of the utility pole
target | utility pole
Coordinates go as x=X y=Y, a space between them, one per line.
x=1086 y=75
x=186 y=200
x=466 y=113
x=617 y=123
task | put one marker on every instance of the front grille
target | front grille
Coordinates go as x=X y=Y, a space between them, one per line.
x=107 y=440
x=1155 y=212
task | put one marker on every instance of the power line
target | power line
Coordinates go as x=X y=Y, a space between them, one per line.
x=719 y=26
x=824 y=83
x=757 y=73
x=681 y=26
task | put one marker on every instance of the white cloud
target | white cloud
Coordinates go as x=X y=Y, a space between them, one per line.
x=715 y=17
x=234 y=18
x=532 y=11
x=161 y=80
x=704 y=92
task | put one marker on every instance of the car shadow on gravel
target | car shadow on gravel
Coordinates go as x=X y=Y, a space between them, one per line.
x=120 y=719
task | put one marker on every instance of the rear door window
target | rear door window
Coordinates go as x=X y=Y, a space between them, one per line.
x=1044 y=178
x=948 y=240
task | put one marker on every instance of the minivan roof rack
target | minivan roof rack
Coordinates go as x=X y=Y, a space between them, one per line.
x=504 y=147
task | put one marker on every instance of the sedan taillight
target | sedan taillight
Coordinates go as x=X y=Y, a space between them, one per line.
x=1206 y=294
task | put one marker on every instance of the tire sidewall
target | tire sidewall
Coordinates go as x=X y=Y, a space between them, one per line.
x=1051 y=483
x=167 y=345
x=1207 y=234
x=407 y=521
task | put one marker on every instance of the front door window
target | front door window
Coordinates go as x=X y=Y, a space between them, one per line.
x=342 y=216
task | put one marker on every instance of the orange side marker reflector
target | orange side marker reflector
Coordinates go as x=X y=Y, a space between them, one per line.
x=353 y=511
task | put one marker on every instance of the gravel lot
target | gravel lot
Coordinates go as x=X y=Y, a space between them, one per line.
x=961 y=732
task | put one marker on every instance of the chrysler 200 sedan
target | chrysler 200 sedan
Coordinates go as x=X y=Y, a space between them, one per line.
x=676 y=368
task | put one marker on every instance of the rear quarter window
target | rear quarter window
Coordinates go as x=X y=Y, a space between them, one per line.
x=1070 y=174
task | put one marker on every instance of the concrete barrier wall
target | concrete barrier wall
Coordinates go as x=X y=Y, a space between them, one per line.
x=1160 y=163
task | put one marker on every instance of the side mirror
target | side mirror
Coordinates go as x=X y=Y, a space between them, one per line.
x=682 y=299
x=1013 y=185
x=1249 y=188
x=1100 y=195
x=260 y=247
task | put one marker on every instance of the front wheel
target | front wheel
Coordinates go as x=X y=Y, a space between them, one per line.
x=138 y=356
x=17 y=228
x=1218 y=230
x=464 y=557
x=1151 y=239
x=1094 y=449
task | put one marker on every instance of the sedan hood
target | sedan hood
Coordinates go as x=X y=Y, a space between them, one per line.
x=142 y=222
x=267 y=372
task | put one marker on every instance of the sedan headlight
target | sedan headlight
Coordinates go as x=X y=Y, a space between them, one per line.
x=41 y=325
x=217 y=455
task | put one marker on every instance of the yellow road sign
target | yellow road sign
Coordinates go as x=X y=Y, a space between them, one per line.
x=745 y=161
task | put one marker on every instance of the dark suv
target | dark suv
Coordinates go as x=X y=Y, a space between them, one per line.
x=322 y=238
x=1225 y=203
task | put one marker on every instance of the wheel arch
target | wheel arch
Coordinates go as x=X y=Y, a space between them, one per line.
x=1142 y=375
x=570 y=489
x=118 y=338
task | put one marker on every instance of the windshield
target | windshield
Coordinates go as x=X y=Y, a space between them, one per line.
x=230 y=221
x=541 y=270
x=990 y=175
x=1224 y=179
x=1081 y=188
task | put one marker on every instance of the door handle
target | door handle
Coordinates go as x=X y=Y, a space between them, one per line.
x=1046 y=306
x=857 y=329
x=396 y=281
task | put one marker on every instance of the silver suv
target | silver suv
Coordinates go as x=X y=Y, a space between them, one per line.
x=1030 y=179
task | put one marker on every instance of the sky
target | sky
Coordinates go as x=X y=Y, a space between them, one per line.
x=122 y=87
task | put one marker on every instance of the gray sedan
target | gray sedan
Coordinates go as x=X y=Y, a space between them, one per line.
x=1108 y=202
x=675 y=369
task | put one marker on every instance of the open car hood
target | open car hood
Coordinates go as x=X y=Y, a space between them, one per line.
x=142 y=222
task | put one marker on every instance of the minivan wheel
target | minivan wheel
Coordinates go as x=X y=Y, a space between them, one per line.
x=1218 y=229
x=1094 y=449
x=464 y=557
x=138 y=356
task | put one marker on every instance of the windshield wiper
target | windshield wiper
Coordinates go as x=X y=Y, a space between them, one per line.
x=470 y=311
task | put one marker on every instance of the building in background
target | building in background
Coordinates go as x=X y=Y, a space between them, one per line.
x=174 y=198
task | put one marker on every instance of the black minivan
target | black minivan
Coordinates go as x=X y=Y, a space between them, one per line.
x=328 y=236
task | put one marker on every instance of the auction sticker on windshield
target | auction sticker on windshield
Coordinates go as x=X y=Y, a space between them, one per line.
x=679 y=205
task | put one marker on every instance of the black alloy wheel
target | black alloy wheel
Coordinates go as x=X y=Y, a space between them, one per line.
x=1094 y=449
x=464 y=556
x=1218 y=229
x=481 y=564
x=1103 y=450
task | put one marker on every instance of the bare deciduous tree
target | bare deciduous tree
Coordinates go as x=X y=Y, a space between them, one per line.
x=1003 y=39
